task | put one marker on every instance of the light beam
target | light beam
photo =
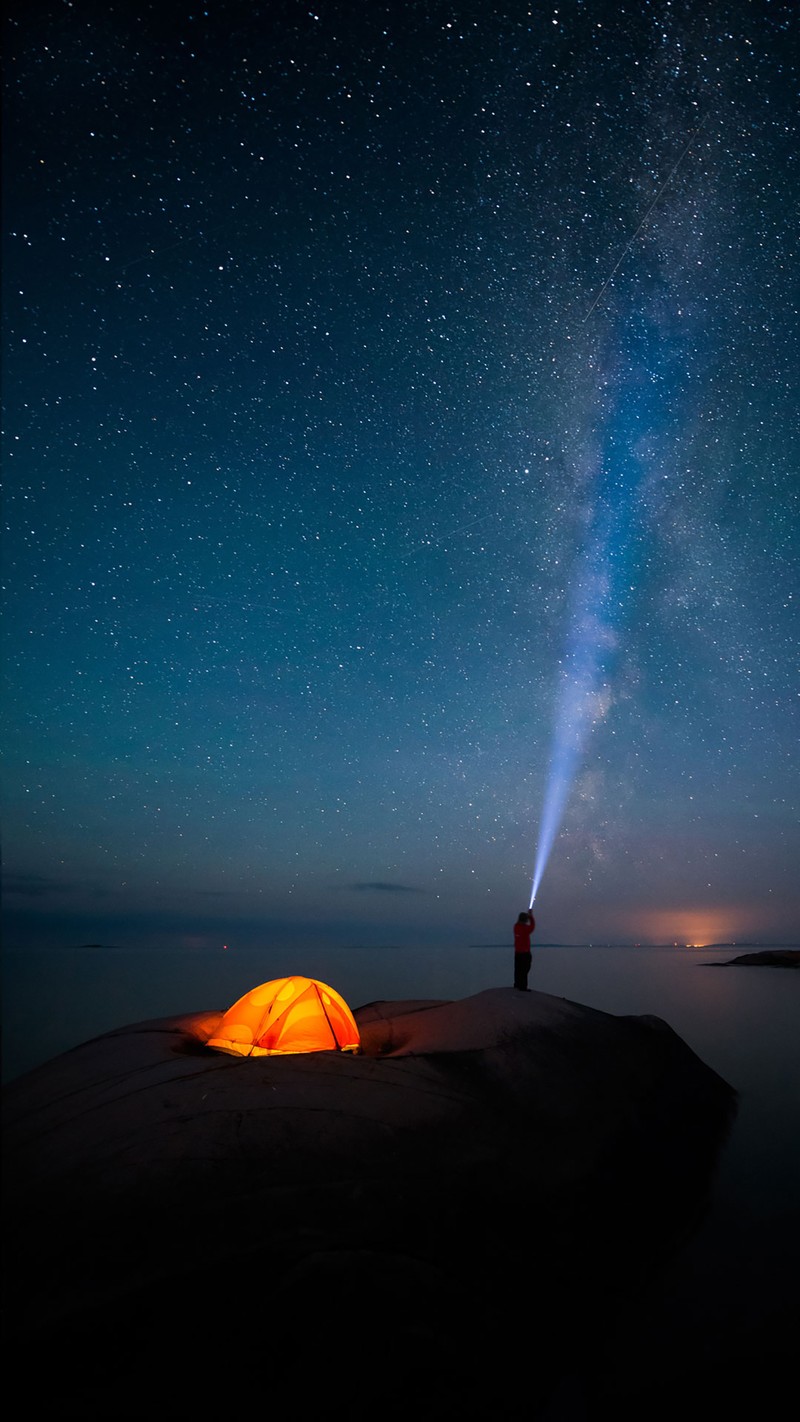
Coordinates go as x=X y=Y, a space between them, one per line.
x=605 y=574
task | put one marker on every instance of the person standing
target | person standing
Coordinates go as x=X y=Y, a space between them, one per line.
x=523 y=932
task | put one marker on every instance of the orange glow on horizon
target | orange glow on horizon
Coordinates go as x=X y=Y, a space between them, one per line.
x=688 y=927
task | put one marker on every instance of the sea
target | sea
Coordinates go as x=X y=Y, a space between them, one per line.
x=739 y=1272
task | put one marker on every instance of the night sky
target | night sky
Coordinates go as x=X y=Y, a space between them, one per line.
x=374 y=374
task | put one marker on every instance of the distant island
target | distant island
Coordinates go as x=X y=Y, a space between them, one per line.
x=112 y=946
x=774 y=950
x=767 y=958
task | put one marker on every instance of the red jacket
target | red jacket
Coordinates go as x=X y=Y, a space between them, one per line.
x=523 y=932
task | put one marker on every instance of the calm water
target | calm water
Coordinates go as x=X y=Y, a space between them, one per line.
x=743 y=1022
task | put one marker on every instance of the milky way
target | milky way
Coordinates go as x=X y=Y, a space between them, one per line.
x=357 y=358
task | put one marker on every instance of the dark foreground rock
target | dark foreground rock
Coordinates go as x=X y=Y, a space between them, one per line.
x=462 y=1205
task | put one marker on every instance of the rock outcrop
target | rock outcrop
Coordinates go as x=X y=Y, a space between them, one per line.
x=187 y=1229
x=765 y=958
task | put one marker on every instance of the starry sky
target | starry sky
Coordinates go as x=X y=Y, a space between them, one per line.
x=369 y=369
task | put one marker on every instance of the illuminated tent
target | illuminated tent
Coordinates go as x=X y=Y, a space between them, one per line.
x=287 y=1015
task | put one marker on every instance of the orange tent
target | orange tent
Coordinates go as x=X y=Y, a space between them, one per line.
x=287 y=1015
